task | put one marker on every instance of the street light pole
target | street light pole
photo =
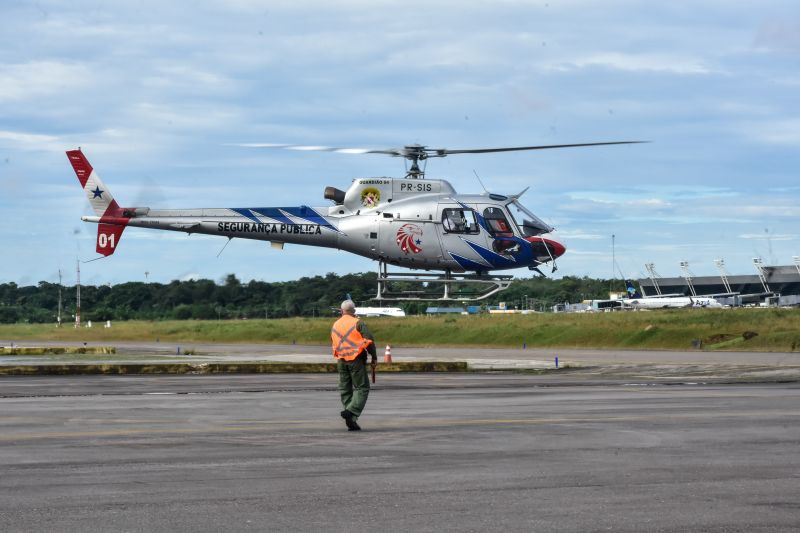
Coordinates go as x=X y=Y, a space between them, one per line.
x=59 y=297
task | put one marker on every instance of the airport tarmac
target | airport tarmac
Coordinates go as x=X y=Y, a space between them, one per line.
x=439 y=452
x=477 y=357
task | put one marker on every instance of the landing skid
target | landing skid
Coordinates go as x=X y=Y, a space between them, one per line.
x=399 y=286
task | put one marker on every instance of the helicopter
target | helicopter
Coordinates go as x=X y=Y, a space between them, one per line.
x=454 y=244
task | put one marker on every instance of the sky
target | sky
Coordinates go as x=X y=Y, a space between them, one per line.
x=158 y=94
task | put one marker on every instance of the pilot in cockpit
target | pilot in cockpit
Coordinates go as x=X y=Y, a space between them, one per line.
x=456 y=221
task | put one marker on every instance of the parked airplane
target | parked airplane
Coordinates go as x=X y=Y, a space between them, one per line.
x=380 y=311
x=635 y=300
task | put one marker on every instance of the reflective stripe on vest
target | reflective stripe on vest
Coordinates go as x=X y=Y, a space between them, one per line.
x=346 y=341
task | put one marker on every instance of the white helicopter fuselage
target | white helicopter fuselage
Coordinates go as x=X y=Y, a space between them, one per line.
x=413 y=223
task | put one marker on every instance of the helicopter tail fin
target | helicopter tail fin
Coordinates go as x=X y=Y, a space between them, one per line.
x=97 y=193
x=110 y=217
x=108 y=236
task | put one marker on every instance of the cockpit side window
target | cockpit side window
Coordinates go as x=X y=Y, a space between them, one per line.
x=500 y=230
x=459 y=220
x=497 y=222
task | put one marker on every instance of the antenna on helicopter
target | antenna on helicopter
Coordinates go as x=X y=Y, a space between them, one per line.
x=479 y=181
x=519 y=194
x=224 y=246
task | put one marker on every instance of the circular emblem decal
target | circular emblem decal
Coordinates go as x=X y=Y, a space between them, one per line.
x=409 y=238
x=370 y=197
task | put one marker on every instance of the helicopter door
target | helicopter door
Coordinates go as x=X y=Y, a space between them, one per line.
x=459 y=226
x=406 y=241
x=500 y=231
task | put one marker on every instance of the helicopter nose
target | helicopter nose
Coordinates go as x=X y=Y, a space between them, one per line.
x=546 y=249
x=557 y=248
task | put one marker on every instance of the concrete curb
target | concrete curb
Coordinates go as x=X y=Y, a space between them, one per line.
x=218 y=368
x=57 y=350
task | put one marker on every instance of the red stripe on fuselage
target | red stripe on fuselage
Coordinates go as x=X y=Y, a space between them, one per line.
x=113 y=215
x=81 y=165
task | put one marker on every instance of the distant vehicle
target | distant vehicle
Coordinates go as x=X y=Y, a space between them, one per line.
x=635 y=300
x=380 y=311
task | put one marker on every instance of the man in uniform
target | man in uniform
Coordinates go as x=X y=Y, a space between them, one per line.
x=350 y=341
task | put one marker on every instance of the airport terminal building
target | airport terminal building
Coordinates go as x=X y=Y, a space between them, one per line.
x=774 y=285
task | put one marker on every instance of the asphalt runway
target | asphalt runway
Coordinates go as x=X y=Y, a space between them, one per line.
x=476 y=356
x=455 y=452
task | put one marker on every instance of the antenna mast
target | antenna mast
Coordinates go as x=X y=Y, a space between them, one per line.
x=723 y=274
x=613 y=255
x=687 y=275
x=59 y=299
x=613 y=259
x=651 y=269
x=78 y=296
x=762 y=277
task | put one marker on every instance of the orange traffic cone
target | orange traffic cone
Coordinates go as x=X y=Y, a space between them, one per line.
x=387 y=355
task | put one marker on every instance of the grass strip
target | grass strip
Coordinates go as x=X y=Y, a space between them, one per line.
x=669 y=329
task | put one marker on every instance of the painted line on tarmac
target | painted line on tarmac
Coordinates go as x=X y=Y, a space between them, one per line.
x=377 y=426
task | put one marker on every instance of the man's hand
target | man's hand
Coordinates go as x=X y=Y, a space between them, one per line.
x=374 y=360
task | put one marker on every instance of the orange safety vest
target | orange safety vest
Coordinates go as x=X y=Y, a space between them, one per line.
x=346 y=341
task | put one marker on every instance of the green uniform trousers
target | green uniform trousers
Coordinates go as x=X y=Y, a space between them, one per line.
x=354 y=383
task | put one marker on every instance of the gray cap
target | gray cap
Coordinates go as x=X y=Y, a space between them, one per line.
x=349 y=307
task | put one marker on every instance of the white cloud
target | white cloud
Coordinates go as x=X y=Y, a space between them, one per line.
x=647 y=203
x=182 y=116
x=769 y=211
x=28 y=140
x=37 y=78
x=628 y=62
x=587 y=253
x=178 y=77
x=578 y=235
x=617 y=203
x=773 y=131
x=779 y=34
x=768 y=236
x=666 y=247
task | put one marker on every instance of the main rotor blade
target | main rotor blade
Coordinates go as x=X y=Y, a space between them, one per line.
x=444 y=151
x=306 y=148
x=418 y=152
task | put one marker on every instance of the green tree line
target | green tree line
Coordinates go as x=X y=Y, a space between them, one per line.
x=233 y=299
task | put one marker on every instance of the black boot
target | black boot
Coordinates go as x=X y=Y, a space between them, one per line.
x=349 y=421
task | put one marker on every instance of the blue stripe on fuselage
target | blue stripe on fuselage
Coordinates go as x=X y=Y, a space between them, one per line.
x=523 y=257
x=468 y=264
x=273 y=213
x=245 y=213
x=282 y=214
x=307 y=213
x=494 y=259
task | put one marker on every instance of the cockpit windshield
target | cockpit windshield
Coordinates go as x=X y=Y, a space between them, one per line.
x=528 y=223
